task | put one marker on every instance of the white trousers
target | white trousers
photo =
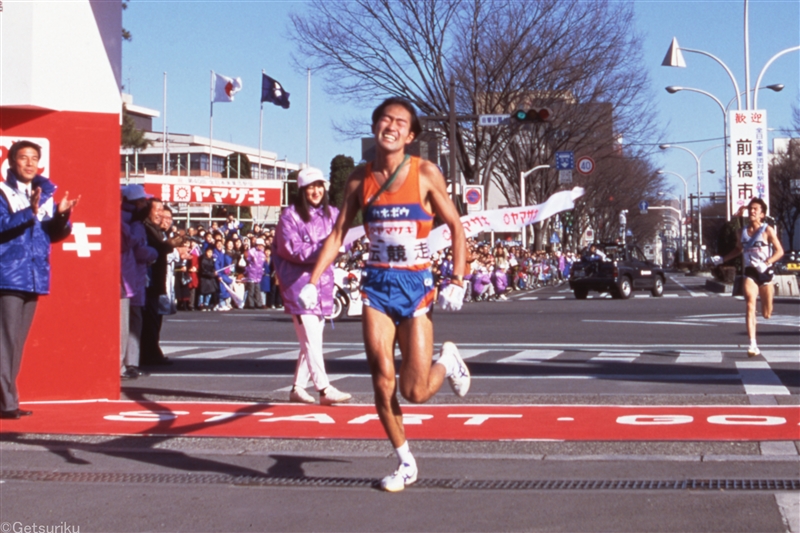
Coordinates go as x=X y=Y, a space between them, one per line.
x=310 y=363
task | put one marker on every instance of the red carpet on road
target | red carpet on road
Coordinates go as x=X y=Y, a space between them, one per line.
x=431 y=422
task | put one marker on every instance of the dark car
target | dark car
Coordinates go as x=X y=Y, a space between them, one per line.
x=615 y=269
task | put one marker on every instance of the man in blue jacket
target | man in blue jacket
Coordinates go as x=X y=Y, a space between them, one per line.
x=30 y=221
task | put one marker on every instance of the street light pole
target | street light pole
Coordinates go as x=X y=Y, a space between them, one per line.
x=674 y=89
x=522 y=198
x=699 y=195
x=680 y=223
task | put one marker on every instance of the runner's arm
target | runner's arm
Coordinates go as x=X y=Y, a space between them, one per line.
x=352 y=204
x=436 y=189
x=772 y=238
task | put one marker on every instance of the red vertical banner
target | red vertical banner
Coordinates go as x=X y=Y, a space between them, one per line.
x=69 y=97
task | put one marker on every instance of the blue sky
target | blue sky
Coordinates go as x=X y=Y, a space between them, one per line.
x=188 y=39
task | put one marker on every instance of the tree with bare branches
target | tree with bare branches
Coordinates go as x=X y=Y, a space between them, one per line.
x=581 y=59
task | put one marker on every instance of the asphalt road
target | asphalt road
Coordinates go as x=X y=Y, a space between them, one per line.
x=542 y=347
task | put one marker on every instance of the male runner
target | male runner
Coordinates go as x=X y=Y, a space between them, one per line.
x=400 y=197
x=761 y=249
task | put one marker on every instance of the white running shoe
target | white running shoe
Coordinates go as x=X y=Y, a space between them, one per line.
x=333 y=395
x=299 y=395
x=458 y=374
x=753 y=351
x=404 y=476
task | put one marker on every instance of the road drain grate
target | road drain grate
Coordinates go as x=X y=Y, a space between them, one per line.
x=460 y=484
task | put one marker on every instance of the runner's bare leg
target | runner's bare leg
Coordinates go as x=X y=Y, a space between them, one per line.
x=419 y=378
x=750 y=296
x=379 y=334
x=766 y=294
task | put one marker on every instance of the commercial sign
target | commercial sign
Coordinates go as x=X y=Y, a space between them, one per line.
x=205 y=190
x=749 y=157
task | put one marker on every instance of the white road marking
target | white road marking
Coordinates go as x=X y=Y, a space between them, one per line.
x=293 y=354
x=531 y=356
x=671 y=295
x=781 y=356
x=689 y=357
x=175 y=349
x=219 y=354
x=647 y=322
x=625 y=357
x=758 y=378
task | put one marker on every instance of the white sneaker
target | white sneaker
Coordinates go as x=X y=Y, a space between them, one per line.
x=404 y=476
x=333 y=395
x=299 y=395
x=753 y=351
x=458 y=374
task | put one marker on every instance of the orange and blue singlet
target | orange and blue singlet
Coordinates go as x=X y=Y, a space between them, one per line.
x=397 y=279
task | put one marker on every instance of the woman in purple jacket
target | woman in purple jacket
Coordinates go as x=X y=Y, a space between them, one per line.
x=301 y=232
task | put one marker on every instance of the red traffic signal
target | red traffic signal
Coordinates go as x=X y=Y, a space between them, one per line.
x=541 y=114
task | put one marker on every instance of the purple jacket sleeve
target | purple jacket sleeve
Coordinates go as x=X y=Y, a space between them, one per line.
x=292 y=241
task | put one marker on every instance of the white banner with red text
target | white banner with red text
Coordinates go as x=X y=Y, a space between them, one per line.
x=498 y=220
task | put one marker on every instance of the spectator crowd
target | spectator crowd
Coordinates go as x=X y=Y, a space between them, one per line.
x=219 y=266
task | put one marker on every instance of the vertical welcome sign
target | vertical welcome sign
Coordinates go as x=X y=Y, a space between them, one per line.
x=749 y=163
x=59 y=86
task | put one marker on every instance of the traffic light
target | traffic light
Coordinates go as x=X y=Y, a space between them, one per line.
x=535 y=115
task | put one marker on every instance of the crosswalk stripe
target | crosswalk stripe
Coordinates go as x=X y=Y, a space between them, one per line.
x=690 y=357
x=671 y=295
x=697 y=294
x=758 y=378
x=219 y=354
x=531 y=356
x=626 y=357
x=293 y=354
x=167 y=350
x=781 y=356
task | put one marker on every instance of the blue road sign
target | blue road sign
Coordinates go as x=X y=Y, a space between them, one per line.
x=565 y=160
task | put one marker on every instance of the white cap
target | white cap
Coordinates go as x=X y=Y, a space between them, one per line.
x=260 y=241
x=310 y=175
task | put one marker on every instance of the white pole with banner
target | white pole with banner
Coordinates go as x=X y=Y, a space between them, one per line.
x=749 y=157
x=211 y=129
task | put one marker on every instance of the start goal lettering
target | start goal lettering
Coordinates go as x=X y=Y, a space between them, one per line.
x=435 y=422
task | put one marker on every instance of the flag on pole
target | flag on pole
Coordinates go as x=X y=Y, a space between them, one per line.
x=225 y=88
x=272 y=91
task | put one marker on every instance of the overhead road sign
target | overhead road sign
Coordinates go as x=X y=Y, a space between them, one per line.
x=565 y=160
x=493 y=120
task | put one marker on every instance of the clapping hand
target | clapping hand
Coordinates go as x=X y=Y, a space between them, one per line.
x=65 y=205
x=36 y=195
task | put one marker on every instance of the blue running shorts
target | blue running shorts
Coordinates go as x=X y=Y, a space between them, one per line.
x=397 y=293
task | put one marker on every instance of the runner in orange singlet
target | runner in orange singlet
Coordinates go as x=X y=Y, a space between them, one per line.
x=397 y=284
